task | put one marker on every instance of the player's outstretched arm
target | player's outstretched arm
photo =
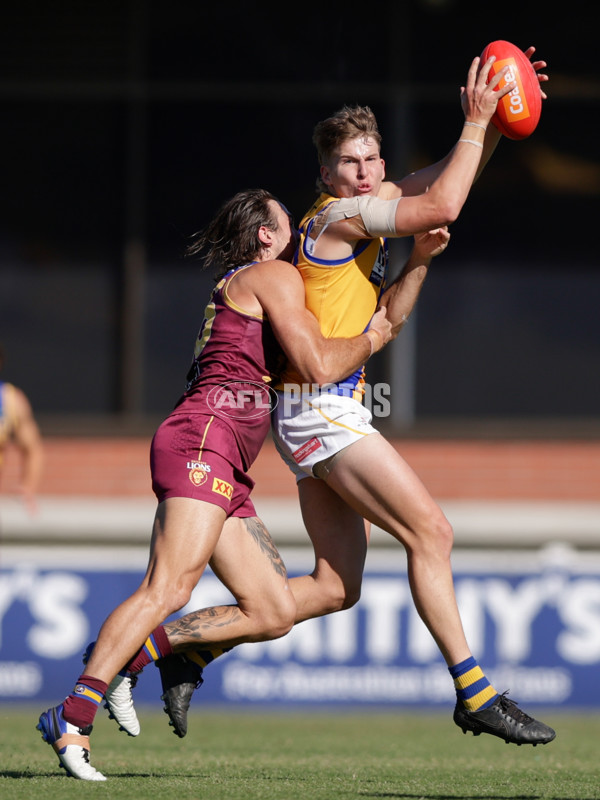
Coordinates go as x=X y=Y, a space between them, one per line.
x=401 y=296
x=442 y=204
x=418 y=182
x=279 y=289
x=435 y=196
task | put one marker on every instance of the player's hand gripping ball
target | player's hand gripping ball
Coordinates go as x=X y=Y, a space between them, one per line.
x=518 y=112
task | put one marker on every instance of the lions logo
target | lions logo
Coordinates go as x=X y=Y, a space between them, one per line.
x=198 y=472
x=197 y=476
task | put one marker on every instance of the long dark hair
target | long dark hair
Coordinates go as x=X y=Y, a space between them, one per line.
x=231 y=238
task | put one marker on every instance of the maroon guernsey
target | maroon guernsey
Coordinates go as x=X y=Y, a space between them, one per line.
x=215 y=432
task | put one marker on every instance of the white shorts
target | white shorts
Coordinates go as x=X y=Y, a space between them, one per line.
x=309 y=430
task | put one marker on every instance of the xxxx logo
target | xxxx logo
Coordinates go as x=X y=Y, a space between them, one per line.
x=223 y=488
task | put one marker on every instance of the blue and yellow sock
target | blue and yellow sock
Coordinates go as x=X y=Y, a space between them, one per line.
x=204 y=657
x=473 y=689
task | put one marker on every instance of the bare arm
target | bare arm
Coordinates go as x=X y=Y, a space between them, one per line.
x=447 y=194
x=434 y=196
x=419 y=182
x=401 y=297
x=431 y=203
x=278 y=287
x=26 y=436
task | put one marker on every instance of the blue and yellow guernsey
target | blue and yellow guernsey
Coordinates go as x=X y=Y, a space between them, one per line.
x=342 y=294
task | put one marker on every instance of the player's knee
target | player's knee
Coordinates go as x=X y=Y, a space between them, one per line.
x=438 y=536
x=169 y=598
x=351 y=597
x=279 y=618
x=340 y=596
x=444 y=535
x=285 y=616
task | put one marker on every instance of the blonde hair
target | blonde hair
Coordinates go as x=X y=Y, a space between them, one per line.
x=350 y=122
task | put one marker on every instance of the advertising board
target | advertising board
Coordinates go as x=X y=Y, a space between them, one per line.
x=532 y=619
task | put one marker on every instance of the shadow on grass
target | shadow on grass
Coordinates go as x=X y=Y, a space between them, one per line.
x=404 y=796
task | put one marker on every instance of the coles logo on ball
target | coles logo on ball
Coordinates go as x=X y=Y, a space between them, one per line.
x=515 y=102
x=242 y=400
x=518 y=112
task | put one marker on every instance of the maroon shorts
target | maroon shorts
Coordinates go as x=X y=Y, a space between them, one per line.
x=197 y=456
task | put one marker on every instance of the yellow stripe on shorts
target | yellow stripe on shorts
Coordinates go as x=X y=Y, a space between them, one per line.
x=334 y=422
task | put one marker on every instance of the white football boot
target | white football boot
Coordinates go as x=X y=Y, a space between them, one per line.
x=71 y=744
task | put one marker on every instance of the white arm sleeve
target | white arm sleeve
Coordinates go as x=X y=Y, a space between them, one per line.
x=378 y=216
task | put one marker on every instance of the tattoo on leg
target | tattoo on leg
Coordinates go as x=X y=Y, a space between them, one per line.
x=263 y=539
x=198 y=627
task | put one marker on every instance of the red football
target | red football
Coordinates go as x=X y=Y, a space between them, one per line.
x=518 y=112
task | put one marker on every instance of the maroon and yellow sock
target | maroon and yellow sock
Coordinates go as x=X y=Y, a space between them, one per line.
x=81 y=705
x=156 y=646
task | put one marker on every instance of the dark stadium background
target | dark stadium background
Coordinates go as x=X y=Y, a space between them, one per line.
x=126 y=123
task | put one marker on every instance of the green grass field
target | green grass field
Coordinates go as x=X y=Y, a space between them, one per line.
x=305 y=756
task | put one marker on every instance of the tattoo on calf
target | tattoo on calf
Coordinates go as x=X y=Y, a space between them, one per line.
x=197 y=627
x=192 y=627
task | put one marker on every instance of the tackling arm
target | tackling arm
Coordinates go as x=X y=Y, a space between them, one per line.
x=279 y=288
